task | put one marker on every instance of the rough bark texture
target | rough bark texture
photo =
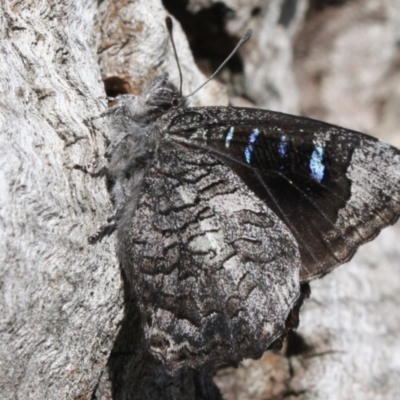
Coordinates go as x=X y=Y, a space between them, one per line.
x=62 y=300
x=134 y=49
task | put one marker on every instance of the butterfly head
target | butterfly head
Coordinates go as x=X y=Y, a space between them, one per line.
x=163 y=95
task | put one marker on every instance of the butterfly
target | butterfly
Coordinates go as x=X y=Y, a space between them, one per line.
x=222 y=213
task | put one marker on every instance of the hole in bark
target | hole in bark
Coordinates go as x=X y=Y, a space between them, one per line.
x=255 y=11
x=205 y=30
x=296 y=344
x=115 y=86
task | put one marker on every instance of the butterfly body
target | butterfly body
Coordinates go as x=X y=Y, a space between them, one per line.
x=222 y=212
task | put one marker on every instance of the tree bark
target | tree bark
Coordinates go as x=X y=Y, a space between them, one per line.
x=61 y=299
x=67 y=329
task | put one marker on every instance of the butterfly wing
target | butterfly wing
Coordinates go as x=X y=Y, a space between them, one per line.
x=214 y=271
x=333 y=188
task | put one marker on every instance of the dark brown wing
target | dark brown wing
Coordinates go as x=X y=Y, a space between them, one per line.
x=334 y=188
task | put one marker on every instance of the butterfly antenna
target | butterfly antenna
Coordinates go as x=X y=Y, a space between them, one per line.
x=242 y=41
x=170 y=26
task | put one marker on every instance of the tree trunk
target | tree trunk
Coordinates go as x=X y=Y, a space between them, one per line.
x=61 y=300
x=62 y=326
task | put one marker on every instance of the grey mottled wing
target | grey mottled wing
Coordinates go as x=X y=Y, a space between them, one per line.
x=215 y=272
x=334 y=188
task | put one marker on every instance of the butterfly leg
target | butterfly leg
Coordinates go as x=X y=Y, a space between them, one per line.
x=91 y=170
x=105 y=230
x=108 y=228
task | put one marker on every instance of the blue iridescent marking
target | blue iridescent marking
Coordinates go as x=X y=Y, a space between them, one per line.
x=250 y=147
x=316 y=166
x=282 y=149
x=229 y=137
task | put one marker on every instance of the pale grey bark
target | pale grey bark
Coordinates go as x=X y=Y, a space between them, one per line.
x=346 y=63
x=62 y=300
x=134 y=47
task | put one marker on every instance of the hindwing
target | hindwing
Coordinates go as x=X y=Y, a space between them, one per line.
x=214 y=271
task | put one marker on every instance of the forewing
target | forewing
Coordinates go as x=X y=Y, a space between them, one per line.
x=334 y=188
x=214 y=270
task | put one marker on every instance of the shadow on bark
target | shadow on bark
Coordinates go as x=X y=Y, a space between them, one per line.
x=135 y=375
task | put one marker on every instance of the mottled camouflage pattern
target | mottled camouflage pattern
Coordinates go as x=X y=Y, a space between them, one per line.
x=222 y=212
